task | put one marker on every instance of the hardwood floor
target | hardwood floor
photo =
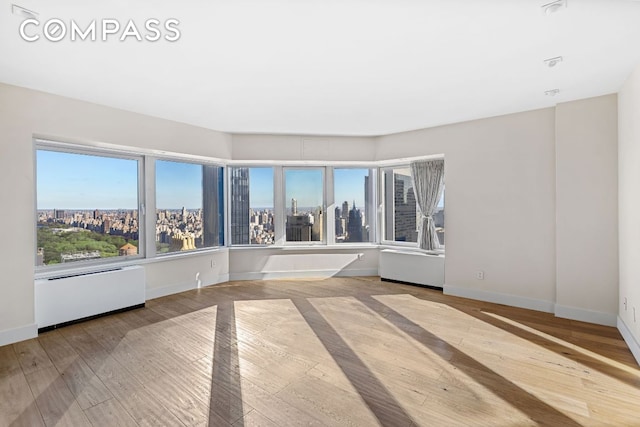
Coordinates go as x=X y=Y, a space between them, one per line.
x=336 y=352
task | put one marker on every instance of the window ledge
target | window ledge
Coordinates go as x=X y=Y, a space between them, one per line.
x=344 y=246
x=412 y=249
x=93 y=268
x=178 y=255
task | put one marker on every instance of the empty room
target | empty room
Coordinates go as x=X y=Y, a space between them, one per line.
x=316 y=212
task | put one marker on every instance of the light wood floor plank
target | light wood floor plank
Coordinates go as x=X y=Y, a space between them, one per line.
x=109 y=413
x=341 y=351
x=17 y=404
x=54 y=399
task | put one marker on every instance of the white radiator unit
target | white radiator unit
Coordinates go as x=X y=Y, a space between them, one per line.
x=64 y=299
x=412 y=267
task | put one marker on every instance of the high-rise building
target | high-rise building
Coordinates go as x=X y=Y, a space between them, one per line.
x=213 y=209
x=339 y=223
x=317 y=229
x=405 y=226
x=354 y=226
x=240 y=210
x=345 y=209
x=369 y=209
x=58 y=213
x=299 y=228
x=294 y=207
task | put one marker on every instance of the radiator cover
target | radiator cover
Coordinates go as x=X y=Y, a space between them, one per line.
x=68 y=298
x=412 y=267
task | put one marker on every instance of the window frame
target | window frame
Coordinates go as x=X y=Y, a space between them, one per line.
x=382 y=220
x=40 y=144
x=383 y=206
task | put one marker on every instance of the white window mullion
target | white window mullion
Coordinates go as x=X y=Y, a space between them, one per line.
x=149 y=212
x=279 y=206
x=330 y=206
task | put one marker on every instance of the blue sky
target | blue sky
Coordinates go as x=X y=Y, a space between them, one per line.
x=261 y=188
x=349 y=186
x=178 y=185
x=77 y=181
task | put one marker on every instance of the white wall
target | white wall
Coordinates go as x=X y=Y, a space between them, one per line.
x=25 y=113
x=629 y=209
x=298 y=147
x=180 y=273
x=257 y=264
x=500 y=204
x=587 y=210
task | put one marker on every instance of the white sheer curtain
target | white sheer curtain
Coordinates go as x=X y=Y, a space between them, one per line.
x=428 y=183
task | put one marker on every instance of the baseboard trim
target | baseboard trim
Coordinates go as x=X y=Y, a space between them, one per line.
x=628 y=337
x=154 y=293
x=86 y=319
x=420 y=285
x=10 y=336
x=499 y=298
x=584 y=315
x=276 y=275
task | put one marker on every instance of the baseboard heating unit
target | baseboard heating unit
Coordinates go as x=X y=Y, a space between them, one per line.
x=415 y=268
x=66 y=299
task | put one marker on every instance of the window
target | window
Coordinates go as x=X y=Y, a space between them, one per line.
x=189 y=206
x=304 y=190
x=355 y=211
x=438 y=220
x=252 y=207
x=87 y=206
x=401 y=210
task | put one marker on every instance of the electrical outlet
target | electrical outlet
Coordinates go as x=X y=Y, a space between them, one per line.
x=480 y=275
x=625 y=303
x=213 y=263
x=360 y=256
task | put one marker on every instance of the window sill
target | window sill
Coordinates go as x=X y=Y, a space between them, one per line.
x=110 y=265
x=412 y=249
x=342 y=246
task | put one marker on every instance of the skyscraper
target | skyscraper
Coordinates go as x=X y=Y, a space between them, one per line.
x=339 y=223
x=240 y=233
x=299 y=228
x=405 y=226
x=213 y=209
x=317 y=229
x=354 y=226
x=369 y=209
x=294 y=207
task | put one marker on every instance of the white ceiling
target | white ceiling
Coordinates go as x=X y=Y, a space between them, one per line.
x=332 y=67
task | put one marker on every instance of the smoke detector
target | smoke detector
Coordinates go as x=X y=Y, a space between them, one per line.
x=552 y=62
x=553 y=7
